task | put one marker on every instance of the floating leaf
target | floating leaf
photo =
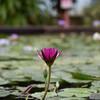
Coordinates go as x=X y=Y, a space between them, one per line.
x=95 y=96
x=68 y=77
x=62 y=98
x=82 y=76
x=39 y=95
x=4 y=93
x=3 y=81
x=76 y=92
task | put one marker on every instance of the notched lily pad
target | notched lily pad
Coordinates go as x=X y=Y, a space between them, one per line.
x=3 y=81
x=13 y=76
x=69 y=98
x=4 y=93
x=95 y=96
x=76 y=92
x=40 y=94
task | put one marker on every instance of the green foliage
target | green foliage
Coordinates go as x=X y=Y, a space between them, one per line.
x=82 y=76
x=94 y=2
x=23 y=12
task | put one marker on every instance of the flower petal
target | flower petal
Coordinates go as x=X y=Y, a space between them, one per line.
x=58 y=54
x=52 y=52
x=39 y=55
x=27 y=89
x=46 y=53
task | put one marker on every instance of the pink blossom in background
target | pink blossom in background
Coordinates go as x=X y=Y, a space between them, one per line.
x=27 y=90
x=61 y=22
x=14 y=36
x=96 y=23
x=49 y=55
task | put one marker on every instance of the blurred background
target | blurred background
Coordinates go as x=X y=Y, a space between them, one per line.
x=49 y=12
x=74 y=27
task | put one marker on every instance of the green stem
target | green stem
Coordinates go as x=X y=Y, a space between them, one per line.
x=27 y=98
x=45 y=83
x=46 y=90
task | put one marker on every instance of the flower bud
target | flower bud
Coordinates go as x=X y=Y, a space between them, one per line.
x=27 y=89
x=45 y=73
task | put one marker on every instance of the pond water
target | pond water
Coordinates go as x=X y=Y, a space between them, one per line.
x=77 y=70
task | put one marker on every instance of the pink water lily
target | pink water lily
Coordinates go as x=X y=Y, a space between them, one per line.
x=14 y=36
x=49 y=55
x=27 y=89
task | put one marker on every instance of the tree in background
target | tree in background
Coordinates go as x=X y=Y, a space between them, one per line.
x=94 y=2
x=92 y=12
x=23 y=12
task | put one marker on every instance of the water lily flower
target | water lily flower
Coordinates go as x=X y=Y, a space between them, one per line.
x=49 y=55
x=4 y=41
x=96 y=36
x=14 y=36
x=27 y=48
x=61 y=22
x=96 y=23
x=27 y=89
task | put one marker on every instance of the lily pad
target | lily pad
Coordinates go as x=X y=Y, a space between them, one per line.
x=95 y=96
x=76 y=92
x=40 y=95
x=3 y=81
x=4 y=93
x=69 y=98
